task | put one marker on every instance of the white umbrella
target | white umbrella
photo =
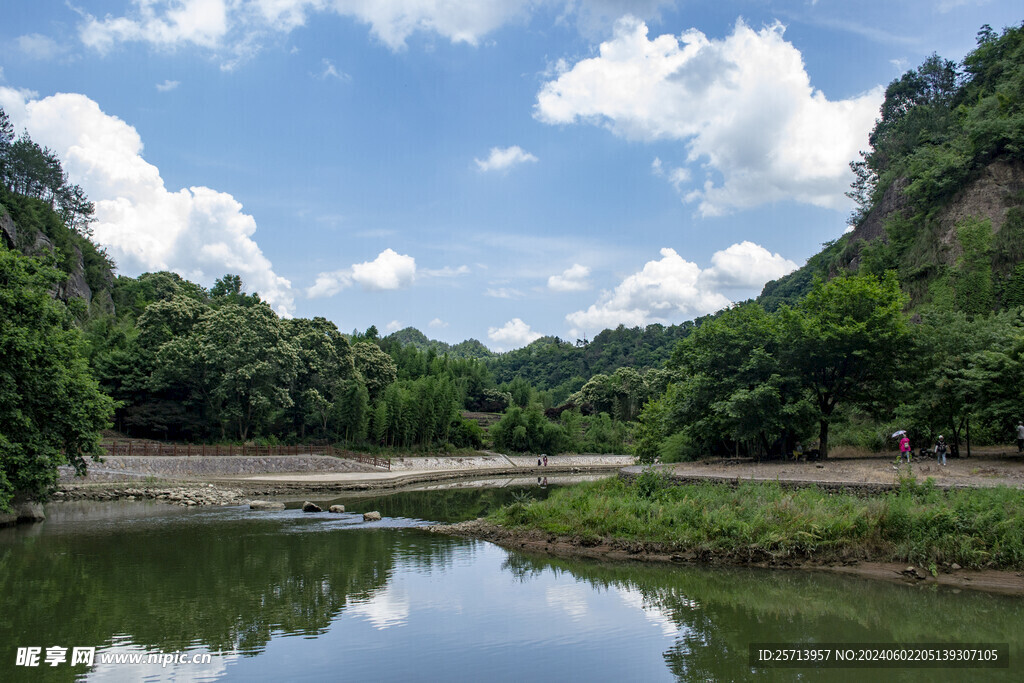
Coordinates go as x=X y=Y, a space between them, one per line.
x=899 y=433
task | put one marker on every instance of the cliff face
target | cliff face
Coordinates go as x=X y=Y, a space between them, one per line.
x=32 y=242
x=991 y=195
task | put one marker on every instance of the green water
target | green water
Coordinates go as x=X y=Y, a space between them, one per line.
x=290 y=596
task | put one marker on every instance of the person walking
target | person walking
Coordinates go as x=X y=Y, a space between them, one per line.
x=905 y=448
x=1020 y=436
x=940 y=451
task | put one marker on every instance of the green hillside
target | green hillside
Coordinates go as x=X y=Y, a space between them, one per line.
x=940 y=191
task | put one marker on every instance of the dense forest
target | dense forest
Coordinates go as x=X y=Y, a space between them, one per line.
x=911 y=320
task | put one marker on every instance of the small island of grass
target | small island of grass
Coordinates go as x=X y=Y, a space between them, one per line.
x=766 y=524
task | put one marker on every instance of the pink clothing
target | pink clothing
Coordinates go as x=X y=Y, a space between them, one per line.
x=904 y=445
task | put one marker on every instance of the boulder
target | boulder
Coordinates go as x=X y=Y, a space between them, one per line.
x=337 y=508
x=371 y=516
x=311 y=507
x=265 y=505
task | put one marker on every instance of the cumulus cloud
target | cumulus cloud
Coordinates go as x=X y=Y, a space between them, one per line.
x=512 y=335
x=390 y=270
x=437 y=323
x=329 y=284
x=167 y=85
x=573 y=279
x=393 y=326
x=743 y=106
x=745 y=266
x=197 y=232
x=673 y=289
x=504 y=159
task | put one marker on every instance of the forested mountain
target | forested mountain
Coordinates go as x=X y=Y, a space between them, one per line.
x=940 y=193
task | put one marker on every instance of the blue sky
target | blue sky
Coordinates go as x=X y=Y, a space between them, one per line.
x=496 y=170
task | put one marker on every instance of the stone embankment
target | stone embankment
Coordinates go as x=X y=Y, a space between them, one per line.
x=188 y=496
x=497 y=461
x=133 y=467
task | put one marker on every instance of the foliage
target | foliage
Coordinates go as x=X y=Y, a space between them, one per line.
x=757 y=521
x=51 y=409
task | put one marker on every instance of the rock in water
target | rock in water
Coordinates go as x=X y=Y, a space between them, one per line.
x=337 y=508
x=311 y=507
x=265 y=505
x=371 y=516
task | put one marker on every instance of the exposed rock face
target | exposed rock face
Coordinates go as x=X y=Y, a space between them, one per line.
x=371 y=516
x=8 y=231
x=265 y=505
x=311 y=507
x=337 y=508
x=990 y=196
x=76 y=287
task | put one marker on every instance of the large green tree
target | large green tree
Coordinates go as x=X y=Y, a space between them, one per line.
x=846 y=341
x=51 y=409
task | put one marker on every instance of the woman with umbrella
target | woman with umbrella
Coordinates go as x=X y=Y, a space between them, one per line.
x=904 y=444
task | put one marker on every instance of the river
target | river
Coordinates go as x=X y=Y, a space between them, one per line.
x=288 y=596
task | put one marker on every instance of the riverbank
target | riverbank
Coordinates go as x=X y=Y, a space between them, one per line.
x=918 y=533
x=538 y=541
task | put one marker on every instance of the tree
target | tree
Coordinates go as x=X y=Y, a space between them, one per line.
x=375 y=367
x=51 y=409
x=248 y=360
x=735 y=391
x=846 y=341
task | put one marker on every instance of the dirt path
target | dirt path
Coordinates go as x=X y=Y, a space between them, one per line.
x=983 y=469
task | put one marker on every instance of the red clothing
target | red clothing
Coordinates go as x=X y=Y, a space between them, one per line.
x=904 y=445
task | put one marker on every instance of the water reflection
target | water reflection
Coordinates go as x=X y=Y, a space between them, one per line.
x=713 y=615
x=287 y=595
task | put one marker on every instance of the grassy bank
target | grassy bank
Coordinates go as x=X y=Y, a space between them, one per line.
x=976 y=528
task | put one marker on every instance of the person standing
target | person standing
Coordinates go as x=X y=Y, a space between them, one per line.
x=1020 y=436
x=940 y=451
x=905 y=448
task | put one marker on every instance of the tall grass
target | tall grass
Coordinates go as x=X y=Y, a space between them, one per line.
x=916 y=523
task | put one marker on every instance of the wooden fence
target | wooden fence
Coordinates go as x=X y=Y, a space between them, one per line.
x=129 y=447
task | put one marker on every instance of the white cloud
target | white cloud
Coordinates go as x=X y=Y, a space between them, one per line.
x=743 y=106
x=673 y=289
x=393 y=326
x=167 y=85
x=197 y=232
x=503 y=293
x=512 y=335
x=390 y=270
x=437 y=323
x=447 y=271
x=331 y=71
x=237 y=29
x=38 y=46
x=504 y=159
x=329 y=284
x=164 y=24
x=677 y=177
x=573 y=279
x=745 y=266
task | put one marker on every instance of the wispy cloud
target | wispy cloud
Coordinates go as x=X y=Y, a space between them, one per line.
x=167 y=85
x=504 y=159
